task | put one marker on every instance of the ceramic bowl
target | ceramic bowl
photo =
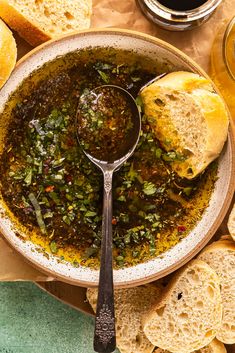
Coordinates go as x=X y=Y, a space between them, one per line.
x=219 y=202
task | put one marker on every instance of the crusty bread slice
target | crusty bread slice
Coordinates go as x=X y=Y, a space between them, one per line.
x=40 y=20
x=189 y=314
x=8 y=53
x=231 y=223
x=214 y=347
x=220 y=256
x=130 y=305
x=188 y=118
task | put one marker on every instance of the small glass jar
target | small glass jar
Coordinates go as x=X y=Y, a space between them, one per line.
x=223 y=63
x=178 y=20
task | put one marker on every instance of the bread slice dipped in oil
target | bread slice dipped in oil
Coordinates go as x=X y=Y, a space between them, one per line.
x=220 y=256
x=189 y=314
x=189 y=119
x=40 y=20
x=130 y=305
x=8 y=53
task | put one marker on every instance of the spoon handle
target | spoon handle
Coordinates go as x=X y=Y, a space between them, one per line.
x=105 y=337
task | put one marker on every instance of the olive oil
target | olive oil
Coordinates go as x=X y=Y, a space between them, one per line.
x=53 y=192
x=221 y=72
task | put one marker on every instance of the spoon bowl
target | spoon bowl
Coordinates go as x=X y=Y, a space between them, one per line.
x=108 y=130
x=90 y=100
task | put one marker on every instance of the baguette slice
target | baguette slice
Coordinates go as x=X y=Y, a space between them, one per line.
x=189 y=314
x=231 y=223
x=214 y=347
x=130 y=305
x=220 y=256
x=40 y=20
x=8 y=53
x=188 y=118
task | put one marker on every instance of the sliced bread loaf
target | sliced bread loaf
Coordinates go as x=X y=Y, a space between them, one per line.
x=231 y=223
x=220 y=256
x=130 y=305
x=188 y=118
x=8 y=53
x=214 y=347
x=40 y=20
x=189 y=313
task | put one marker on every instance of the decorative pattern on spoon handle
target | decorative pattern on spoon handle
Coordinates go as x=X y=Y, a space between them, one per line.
x=105 y=338
x=107 y=182
x=105 y=325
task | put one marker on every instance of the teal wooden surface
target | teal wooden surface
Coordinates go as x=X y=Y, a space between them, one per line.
x=31 y=321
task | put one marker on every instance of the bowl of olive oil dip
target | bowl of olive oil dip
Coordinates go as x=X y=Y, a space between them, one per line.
x=51 y=194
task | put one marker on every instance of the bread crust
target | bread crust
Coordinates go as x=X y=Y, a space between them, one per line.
x=26 y=29
x=214 y=347
x=217 y=122
x=222 y=244
x=8 y=53
x=184 y=81
x=231 y=223
x=217 y=346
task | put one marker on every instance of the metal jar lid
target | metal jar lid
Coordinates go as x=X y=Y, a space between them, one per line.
x=173 y=20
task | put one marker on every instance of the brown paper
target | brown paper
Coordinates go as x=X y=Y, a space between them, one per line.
x=196 y=43
x=124 y=14
x=13 y=266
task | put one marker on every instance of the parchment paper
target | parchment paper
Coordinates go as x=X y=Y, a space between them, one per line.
x=123 y=14
x=196 y=43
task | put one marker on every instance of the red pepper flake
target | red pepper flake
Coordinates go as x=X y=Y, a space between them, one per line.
x=130 y=194
x=70 y=142
x=47 y=161
x=181 y=229
x=49 y=188
x=46 y=170
x=68 y=178
x=114 y=221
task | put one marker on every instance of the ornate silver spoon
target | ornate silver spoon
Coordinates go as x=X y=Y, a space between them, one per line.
x=108 y=129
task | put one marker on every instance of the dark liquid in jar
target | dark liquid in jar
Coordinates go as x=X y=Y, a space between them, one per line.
x=182 y=5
